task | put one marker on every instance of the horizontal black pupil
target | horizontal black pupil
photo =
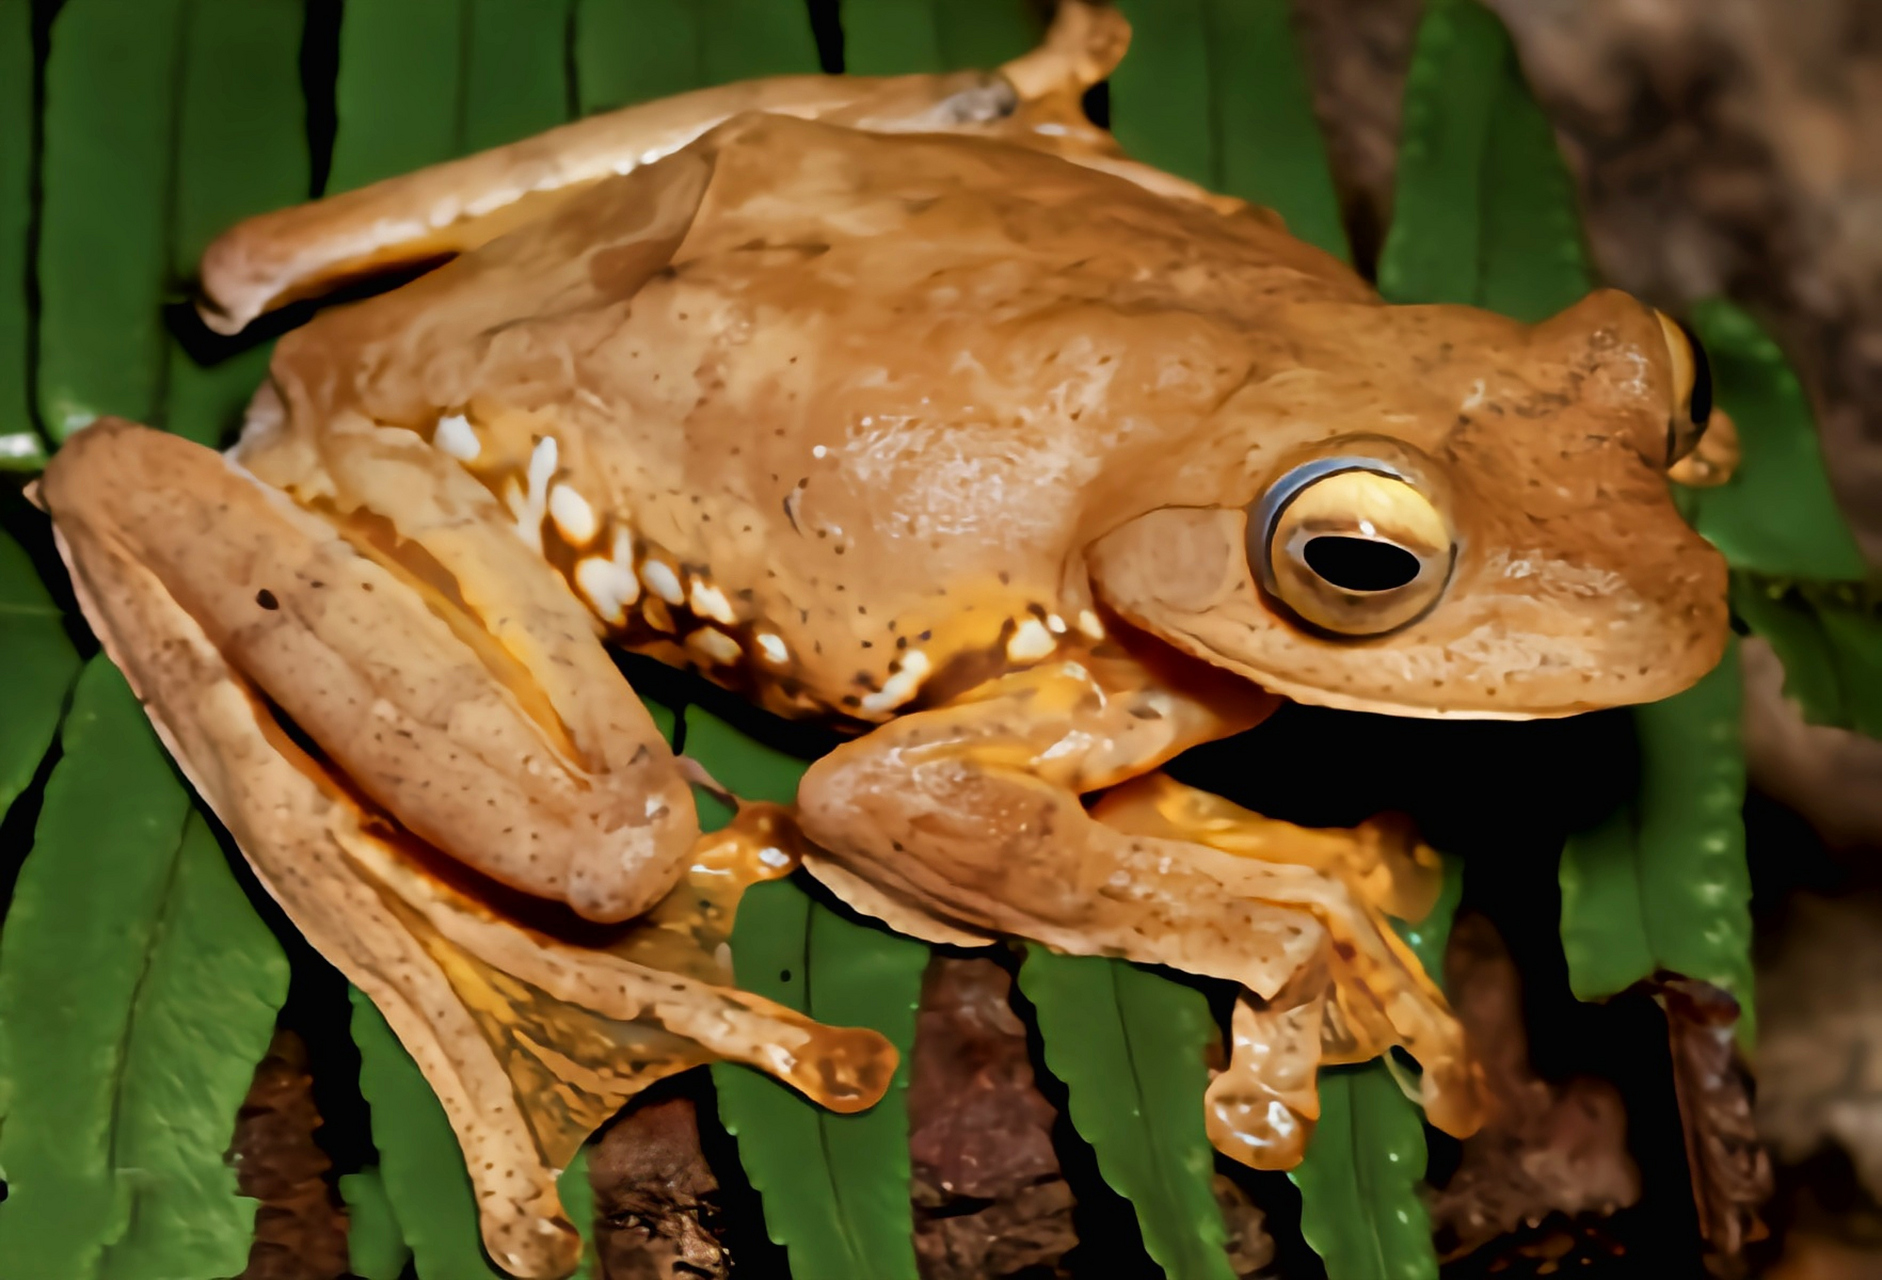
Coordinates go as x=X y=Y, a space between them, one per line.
x=1360 y=564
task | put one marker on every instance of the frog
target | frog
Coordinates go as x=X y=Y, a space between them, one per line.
x=915 y=408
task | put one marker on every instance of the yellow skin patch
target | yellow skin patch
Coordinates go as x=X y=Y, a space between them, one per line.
x=909 y=405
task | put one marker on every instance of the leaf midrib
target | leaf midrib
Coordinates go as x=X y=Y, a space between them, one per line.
x=846 y=1225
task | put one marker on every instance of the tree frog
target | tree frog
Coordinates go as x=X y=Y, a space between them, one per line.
x=908 y=405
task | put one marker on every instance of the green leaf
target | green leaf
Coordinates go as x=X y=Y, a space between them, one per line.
x=747 y=768
x=1129 y=1046
x=205 y=1009
x=40 y=666
x=426 y=80
x=1215 y=90
x=578 y=1201
x=137 y=991
x=241 y=149
x=1359 y=1182
x=375 y=1246
x=835 y=1188
x=1829 y=638
x=20 y=446
x=1484 y=211
x=898 y=37
x=1662 y=882
x=105 y=245
x=1427 y=937
x=629 y=51
x=419 y=1159
x=516 y=71
x=1360 y=1209
x=1792 y=624
x=1777 y=515
x=399 y=89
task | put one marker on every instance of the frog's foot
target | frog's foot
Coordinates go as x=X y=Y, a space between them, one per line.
x=971 y=813
x=532 y=1025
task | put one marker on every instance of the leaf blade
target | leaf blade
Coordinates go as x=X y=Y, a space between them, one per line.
x=516 y=79
x=111 y=85
x=241 y=149
x=209 y=996
x=835 y=1188
x=41 y=666
x=376 y=1248
x=1662 y=882
x=1484 y=209
x=629 y=51
x=137 y=990
x=1128 y=1045
x=420 y=1162
x=747 y=39
x=399 y=90
x=1270 y=149
x=1362 y=1170
x=1778 y=514
x=20 y=445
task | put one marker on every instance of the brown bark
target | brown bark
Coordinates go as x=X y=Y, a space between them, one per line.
x=990 y=1199
x=1549 y=1149
x=657 y=1203
x=300 y=1231
x=1730 y=1171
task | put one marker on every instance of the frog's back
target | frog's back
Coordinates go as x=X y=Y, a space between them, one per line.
x=832 y=413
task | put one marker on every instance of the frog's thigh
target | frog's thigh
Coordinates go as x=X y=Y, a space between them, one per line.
x=973 y=812
x=529 y=1042
x=516 y=747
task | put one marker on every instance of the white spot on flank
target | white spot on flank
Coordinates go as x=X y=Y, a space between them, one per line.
x=573 y=517
x=535 y=502
x=1475 y=398
x=900 y=686
x=1031 y=642
x=1089 y=624
x=715 y=645
x=709 y=602
x=1055 y=624
x=609 y=588
x=773 y=648
x=819 y=452
x=662 y=581
x=455 y=437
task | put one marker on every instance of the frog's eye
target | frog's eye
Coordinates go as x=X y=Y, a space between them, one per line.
x=1350 y=547
x=1692 y=389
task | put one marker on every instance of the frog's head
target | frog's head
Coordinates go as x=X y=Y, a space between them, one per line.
x=1436 y=511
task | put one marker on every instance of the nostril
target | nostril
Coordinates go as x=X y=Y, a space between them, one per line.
x=1360 y=564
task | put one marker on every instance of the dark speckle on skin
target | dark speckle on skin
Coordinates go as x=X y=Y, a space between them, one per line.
x=265 y=598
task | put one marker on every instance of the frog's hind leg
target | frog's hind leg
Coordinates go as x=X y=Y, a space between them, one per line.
x=477 y=707
x=972 y=813
x=228 y=610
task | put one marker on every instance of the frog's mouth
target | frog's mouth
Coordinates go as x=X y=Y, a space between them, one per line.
x=1503 y=638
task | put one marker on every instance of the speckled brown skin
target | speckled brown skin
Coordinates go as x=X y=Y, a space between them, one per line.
x=947 y=437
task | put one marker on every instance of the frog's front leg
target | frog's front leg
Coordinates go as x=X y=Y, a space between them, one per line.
x=972 y=813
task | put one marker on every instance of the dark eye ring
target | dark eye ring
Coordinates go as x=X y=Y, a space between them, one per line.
x=1692 y=390
x=1699 y=403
